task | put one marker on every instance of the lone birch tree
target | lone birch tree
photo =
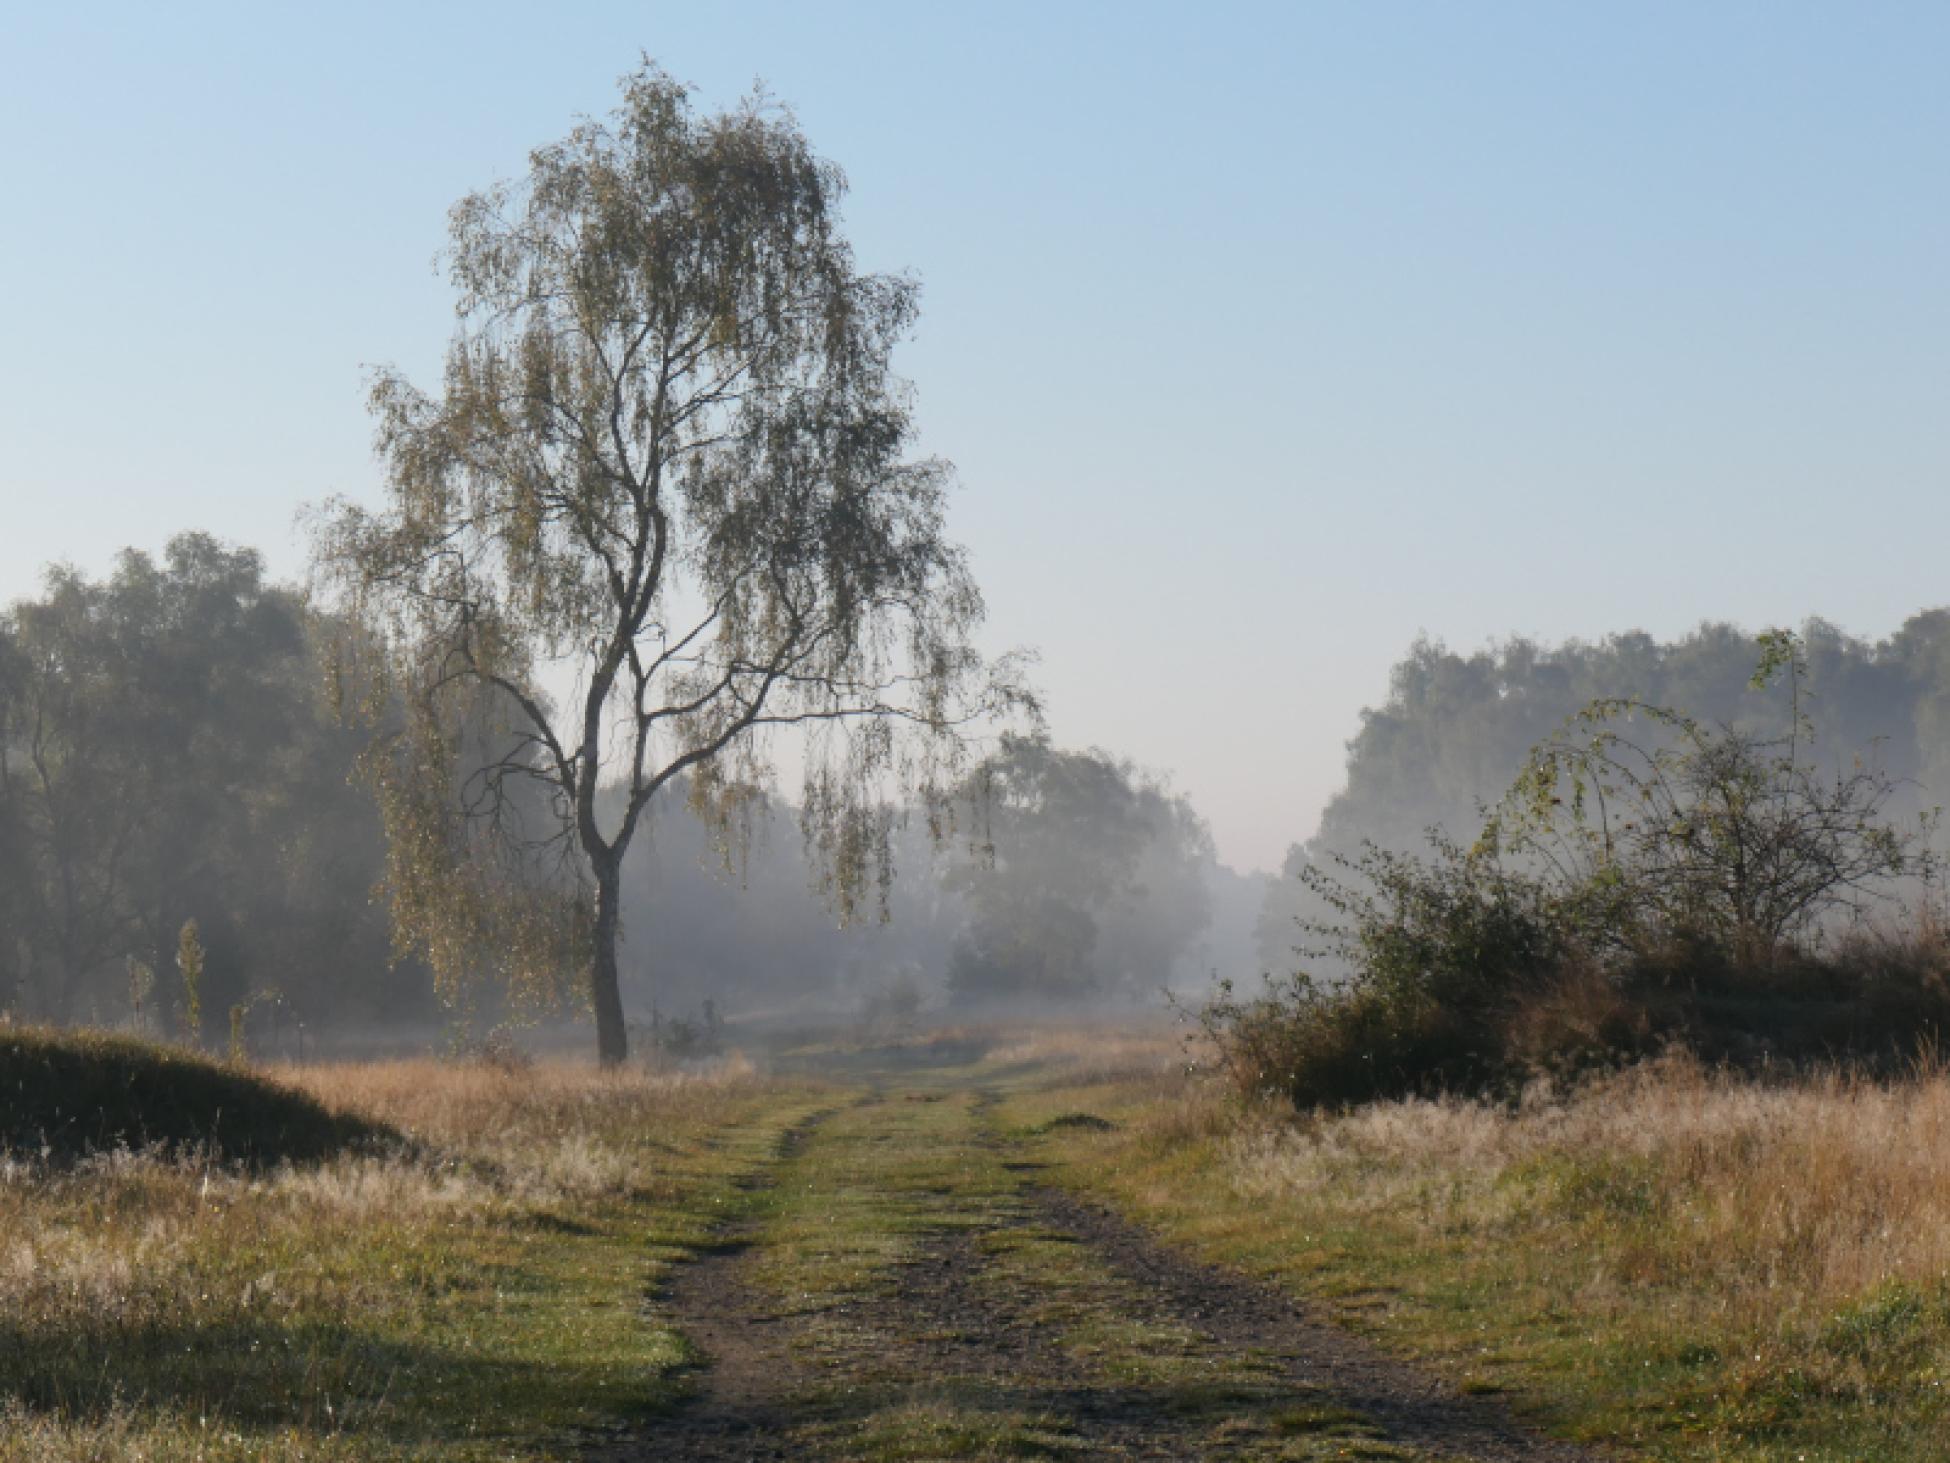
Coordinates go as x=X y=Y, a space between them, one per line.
x=668 y=466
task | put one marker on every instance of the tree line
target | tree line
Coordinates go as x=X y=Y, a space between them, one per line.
x=164 y=758
x=171 y=757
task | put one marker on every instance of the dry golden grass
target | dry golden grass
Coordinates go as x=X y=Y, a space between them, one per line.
x=1695 y=1263
x=1672 y=1259
x=555 y=1132
x=478 y=1102
x=1092 y=1053
x=1745 y=1199
x=480 y=1281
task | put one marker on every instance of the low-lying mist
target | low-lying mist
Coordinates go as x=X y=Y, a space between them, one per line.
x=170 y=754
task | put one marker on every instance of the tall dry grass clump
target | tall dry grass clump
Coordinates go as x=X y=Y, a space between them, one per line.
x=1795 y=1228
x=554 y=1131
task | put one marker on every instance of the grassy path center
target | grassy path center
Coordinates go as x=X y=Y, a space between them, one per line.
x=901 y=1284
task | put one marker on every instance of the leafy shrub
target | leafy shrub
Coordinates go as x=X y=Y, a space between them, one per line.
x=1712 y=835
x=1459 y=964
x=1468 y=977
x=1334 y=1047
x=1706 y=889
x=1458 y=927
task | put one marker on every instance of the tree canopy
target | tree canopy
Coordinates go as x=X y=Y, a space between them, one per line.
x=165 y=756
x=669 y=463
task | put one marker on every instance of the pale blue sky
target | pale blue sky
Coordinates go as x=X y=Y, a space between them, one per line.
x=1265 y=336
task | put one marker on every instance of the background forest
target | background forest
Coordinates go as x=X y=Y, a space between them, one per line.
x=168 y=753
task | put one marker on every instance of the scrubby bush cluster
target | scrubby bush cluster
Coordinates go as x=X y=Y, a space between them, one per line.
x=1649 y=881
x=1454 y=955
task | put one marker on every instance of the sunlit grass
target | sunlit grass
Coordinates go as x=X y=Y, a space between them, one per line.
x=1694 y=1265
x=1698 y=1265
x=473 y=1291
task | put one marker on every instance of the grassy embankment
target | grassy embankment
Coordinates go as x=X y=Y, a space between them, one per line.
x=469 y=1288
x=1683 y=1264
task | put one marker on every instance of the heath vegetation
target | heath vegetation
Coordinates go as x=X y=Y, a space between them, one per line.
x=1649 y=881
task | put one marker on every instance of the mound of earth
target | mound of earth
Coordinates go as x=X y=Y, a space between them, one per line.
x=67 y=1094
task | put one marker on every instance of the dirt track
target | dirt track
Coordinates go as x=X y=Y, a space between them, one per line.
x=989 y=1315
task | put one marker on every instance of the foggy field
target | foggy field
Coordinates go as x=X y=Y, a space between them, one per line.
x=984 y=1243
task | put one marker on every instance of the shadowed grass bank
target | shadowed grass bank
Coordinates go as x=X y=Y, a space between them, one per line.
x=68 y=1095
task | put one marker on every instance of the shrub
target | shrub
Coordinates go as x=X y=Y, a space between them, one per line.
x=1457 y=927
x=1582 y=1018
x=1466 y=975
x=1707 y=833
x=1320 y=1047
x=1624 y=896
x=1470 y=978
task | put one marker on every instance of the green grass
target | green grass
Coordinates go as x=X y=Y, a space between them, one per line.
x=1691 y=1272
x=475 y=1292
x=1576 y=1286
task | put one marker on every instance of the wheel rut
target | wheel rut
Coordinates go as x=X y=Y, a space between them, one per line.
x=741 y=1407
x=1024 y=1321
x=1408 y=1404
